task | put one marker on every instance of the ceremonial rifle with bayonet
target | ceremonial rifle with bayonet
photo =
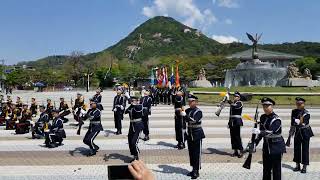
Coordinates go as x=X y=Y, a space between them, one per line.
x=251 y=145
x=221 y=105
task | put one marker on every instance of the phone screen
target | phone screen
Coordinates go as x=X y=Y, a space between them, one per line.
x=119 y=172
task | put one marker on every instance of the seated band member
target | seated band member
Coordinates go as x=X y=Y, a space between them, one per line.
x=64 y=110
x=23 y=124
x=33 y=107
x=56 y=132
x=136 y=112
x=38 y=130
x=14 y=113
x=95 y=126
x=49 y=108
x=193 y=116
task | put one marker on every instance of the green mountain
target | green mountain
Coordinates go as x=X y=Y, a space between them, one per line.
x=164 y=36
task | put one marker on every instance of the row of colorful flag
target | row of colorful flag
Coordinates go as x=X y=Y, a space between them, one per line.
x=159 y=77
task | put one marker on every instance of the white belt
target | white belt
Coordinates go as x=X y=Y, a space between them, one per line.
x=235 y=116
x=136 y=120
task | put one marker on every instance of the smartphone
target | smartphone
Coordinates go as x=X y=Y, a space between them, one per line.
x=119 y=172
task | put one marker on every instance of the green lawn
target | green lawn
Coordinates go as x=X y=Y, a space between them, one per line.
x=288 y=101
x=259 y=89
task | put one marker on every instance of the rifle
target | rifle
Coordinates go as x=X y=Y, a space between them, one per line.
x=251 y=146
x=224 y=100
x=291 y=133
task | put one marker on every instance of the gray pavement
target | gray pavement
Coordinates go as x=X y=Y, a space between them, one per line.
x=24 y=158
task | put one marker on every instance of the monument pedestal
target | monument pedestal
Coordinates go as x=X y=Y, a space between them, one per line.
x=298 y=82
x=201 y=83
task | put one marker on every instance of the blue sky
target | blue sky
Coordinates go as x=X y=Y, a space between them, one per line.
x=32 y=29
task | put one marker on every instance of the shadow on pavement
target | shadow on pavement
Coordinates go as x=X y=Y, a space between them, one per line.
x=80 y=150
x=217 y=151
x=161 y=143
x=287 y=166
x=121 y=157
x=108 y=132
x=167 y=169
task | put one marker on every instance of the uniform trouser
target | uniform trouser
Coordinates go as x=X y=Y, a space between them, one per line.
x=169 y=99
x=271 y=164
x=10 y=124
x=52 y=138
x=118 y=116
x=301 y=149
x=22 y=128
x=133 y=138
x=194 y=147
x=236 y=142
x=180 y=128
x=38 y=129
x=145 y=120
x=89 y=138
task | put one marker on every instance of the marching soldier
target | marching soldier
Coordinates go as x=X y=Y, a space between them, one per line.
x=300 y=119
x=136 y=112
x=41 y=123
x=273 y=142
x=195 y=134
x=94 y=115
x=235 y=123
x=49 y=108
x=180 y=124
x=119 y=104
x=78 y=104
x=64 y=110
x=33 y=107
x=56 y=132
x=23 y=124
x=97 y=98
x=146 y=102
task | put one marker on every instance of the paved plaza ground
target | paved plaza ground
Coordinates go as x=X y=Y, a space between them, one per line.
x=24 y=158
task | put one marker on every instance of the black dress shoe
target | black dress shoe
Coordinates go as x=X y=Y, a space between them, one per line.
x=195 y=175
x=304 y=169
x=146 y=138
x=96 y=148
x=181 y=146
x=297 y=168
x=235 y=154
x=52 y=145
x=190 y=173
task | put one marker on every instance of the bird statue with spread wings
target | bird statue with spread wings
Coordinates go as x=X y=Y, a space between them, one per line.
x=254 y=42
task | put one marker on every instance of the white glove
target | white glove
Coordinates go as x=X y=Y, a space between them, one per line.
x=121 y=107
x=46 y=130
x=256 y=131
x=182 y=113
x=115 y=110
x=7 y=118
x=31 y=122
x=127 y=95
x=228 y=97
x=83 y=112
x=17 y=121
x=297 y=121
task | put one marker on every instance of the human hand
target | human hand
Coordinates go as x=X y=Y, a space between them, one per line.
x=139 y=171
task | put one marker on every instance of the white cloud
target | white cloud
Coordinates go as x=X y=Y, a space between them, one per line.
x=185 y=9
x=227 y=3
x=228 y=21
x=225 y=39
